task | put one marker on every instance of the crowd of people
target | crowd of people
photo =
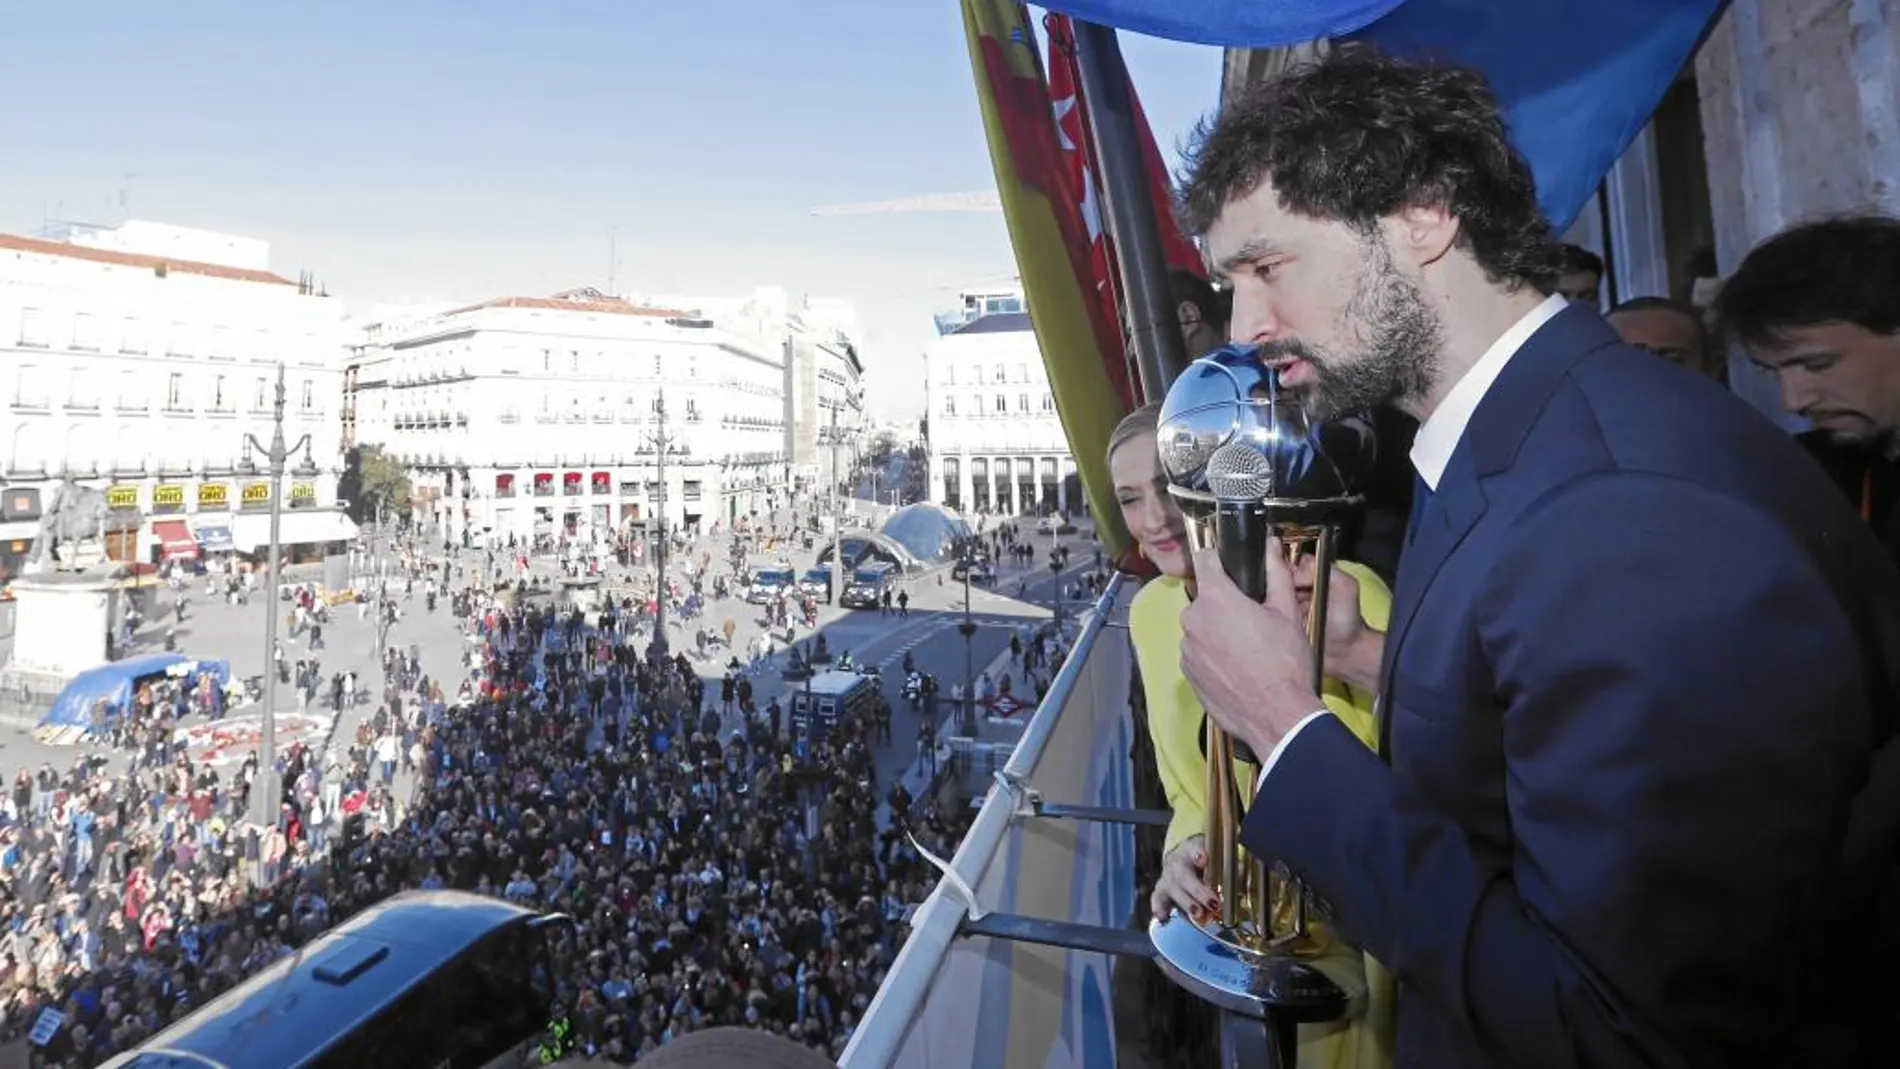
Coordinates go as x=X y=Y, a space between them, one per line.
x=714 y=880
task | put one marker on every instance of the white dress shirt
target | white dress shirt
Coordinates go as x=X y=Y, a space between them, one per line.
x=1439 y=435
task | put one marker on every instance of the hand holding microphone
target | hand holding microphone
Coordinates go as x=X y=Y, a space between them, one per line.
x=1249 y=661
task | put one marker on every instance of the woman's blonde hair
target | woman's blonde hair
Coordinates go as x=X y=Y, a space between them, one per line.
x=1143 y=420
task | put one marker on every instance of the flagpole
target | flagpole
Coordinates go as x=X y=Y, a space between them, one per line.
x=1130 y=218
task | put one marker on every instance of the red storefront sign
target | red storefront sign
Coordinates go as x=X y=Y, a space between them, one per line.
x=571 y=483
x=543 y=483
x=504 y=486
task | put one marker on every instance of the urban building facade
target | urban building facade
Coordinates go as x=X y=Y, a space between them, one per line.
x=528 y=417
x=824 y=394
x=141 y=356
x=996 y=445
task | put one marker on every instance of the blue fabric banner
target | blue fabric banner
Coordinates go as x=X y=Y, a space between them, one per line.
x=1577 y=81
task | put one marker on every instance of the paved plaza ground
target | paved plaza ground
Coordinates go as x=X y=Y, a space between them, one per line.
x=215 y=629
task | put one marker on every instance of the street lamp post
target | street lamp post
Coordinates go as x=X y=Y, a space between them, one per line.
x=661 y=440
x=264 y=793
x=968 y=630
x=837 y=520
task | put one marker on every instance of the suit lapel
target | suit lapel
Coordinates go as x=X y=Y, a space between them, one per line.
x=1488 y=446
x=1448 y=517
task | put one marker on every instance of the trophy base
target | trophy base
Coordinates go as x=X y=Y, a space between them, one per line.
x=1308 y=984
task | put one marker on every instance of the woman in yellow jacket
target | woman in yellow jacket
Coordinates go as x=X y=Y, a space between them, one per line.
x=1175 y=715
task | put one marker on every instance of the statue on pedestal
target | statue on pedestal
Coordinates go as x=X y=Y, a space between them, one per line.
x=74 y=518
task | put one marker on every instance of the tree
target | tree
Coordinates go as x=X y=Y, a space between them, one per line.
x=375 y=484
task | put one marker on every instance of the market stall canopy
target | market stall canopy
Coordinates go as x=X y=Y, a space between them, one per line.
x=1577 y=81
x=115 y=683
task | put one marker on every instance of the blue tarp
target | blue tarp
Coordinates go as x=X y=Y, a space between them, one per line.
x=114 y=682
x=1577 y=80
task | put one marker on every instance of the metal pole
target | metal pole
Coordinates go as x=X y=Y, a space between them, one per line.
x=265 y=792
x=657 y=649
x=1134 y=234
x=968 y=630
x=837 y=521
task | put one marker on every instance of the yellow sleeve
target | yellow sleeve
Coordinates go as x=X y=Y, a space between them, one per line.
x=1174 y=717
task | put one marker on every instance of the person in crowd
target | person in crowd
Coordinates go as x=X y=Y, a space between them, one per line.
x=1818 y=305
x=1579 y=275
x=1639 y=695
x=576 y=776
x=1673 y=330
x=1176 y=719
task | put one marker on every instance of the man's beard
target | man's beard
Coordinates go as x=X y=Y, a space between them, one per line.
x=1400 y=345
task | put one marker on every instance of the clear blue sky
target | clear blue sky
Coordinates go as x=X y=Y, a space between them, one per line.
x=431 y=150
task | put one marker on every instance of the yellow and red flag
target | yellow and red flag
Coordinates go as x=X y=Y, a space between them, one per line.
x=1076 y=328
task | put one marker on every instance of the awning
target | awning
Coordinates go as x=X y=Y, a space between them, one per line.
x=176 y=538
x=298 y=527
x=215 y=537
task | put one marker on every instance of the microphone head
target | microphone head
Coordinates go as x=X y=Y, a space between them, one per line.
x=1229 y=432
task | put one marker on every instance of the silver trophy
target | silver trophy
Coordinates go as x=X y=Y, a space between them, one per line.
x=1246 y=464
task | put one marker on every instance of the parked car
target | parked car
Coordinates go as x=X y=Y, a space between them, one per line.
x=768 y=583
x=817 y=583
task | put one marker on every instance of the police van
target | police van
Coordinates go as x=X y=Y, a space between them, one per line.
x=828 y=697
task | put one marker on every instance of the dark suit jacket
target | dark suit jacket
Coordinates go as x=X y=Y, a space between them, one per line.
x=1867 y=476
x=1640 y=804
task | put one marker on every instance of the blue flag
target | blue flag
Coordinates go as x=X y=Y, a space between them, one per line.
x=1577 y=81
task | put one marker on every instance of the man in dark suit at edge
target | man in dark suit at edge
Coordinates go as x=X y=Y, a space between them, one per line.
x=1635 y=807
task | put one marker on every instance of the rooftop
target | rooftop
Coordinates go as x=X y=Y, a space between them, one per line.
x=167 y=264
x=581 y=300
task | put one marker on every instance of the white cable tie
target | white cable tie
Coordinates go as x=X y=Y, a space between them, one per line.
x=955 y=886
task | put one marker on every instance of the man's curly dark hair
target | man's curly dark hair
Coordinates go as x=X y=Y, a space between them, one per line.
x=1839 y=270
x=1360 y=135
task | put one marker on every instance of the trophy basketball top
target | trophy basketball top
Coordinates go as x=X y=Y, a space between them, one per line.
x=1229 y=432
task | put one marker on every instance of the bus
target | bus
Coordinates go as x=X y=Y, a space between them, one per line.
x=426 y=979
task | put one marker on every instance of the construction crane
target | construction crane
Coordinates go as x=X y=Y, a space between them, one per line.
x=984 y=201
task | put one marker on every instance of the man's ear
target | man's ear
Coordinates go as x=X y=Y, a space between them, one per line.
x=1422 y=234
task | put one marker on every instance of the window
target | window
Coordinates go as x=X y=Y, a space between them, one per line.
x=175 y=391
x=309 y=400
x=32 y=328
x=217 y=394
x=976 y=375
x=260 y=401
x=132 y=336
x=28 y=390
x=79 y=393
x=1022 y=402
x=85 y=332
x=976 y=404
x=130 y=397
x=1048 y=403
x=949 y=405
x=573 y=359
x=180 y=343
x=1002 y=373
x=1022 y=372
x=1002 y=404
x=547 y=360
x=950 y=375
x=656 y=368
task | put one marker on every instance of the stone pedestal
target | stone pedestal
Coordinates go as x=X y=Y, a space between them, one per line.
x=60 y=627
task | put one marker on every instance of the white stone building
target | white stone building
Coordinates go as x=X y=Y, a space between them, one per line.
x=526 y=416
x=824 y=394
x=996 y=444
x=138 y=359
x=823 y=372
